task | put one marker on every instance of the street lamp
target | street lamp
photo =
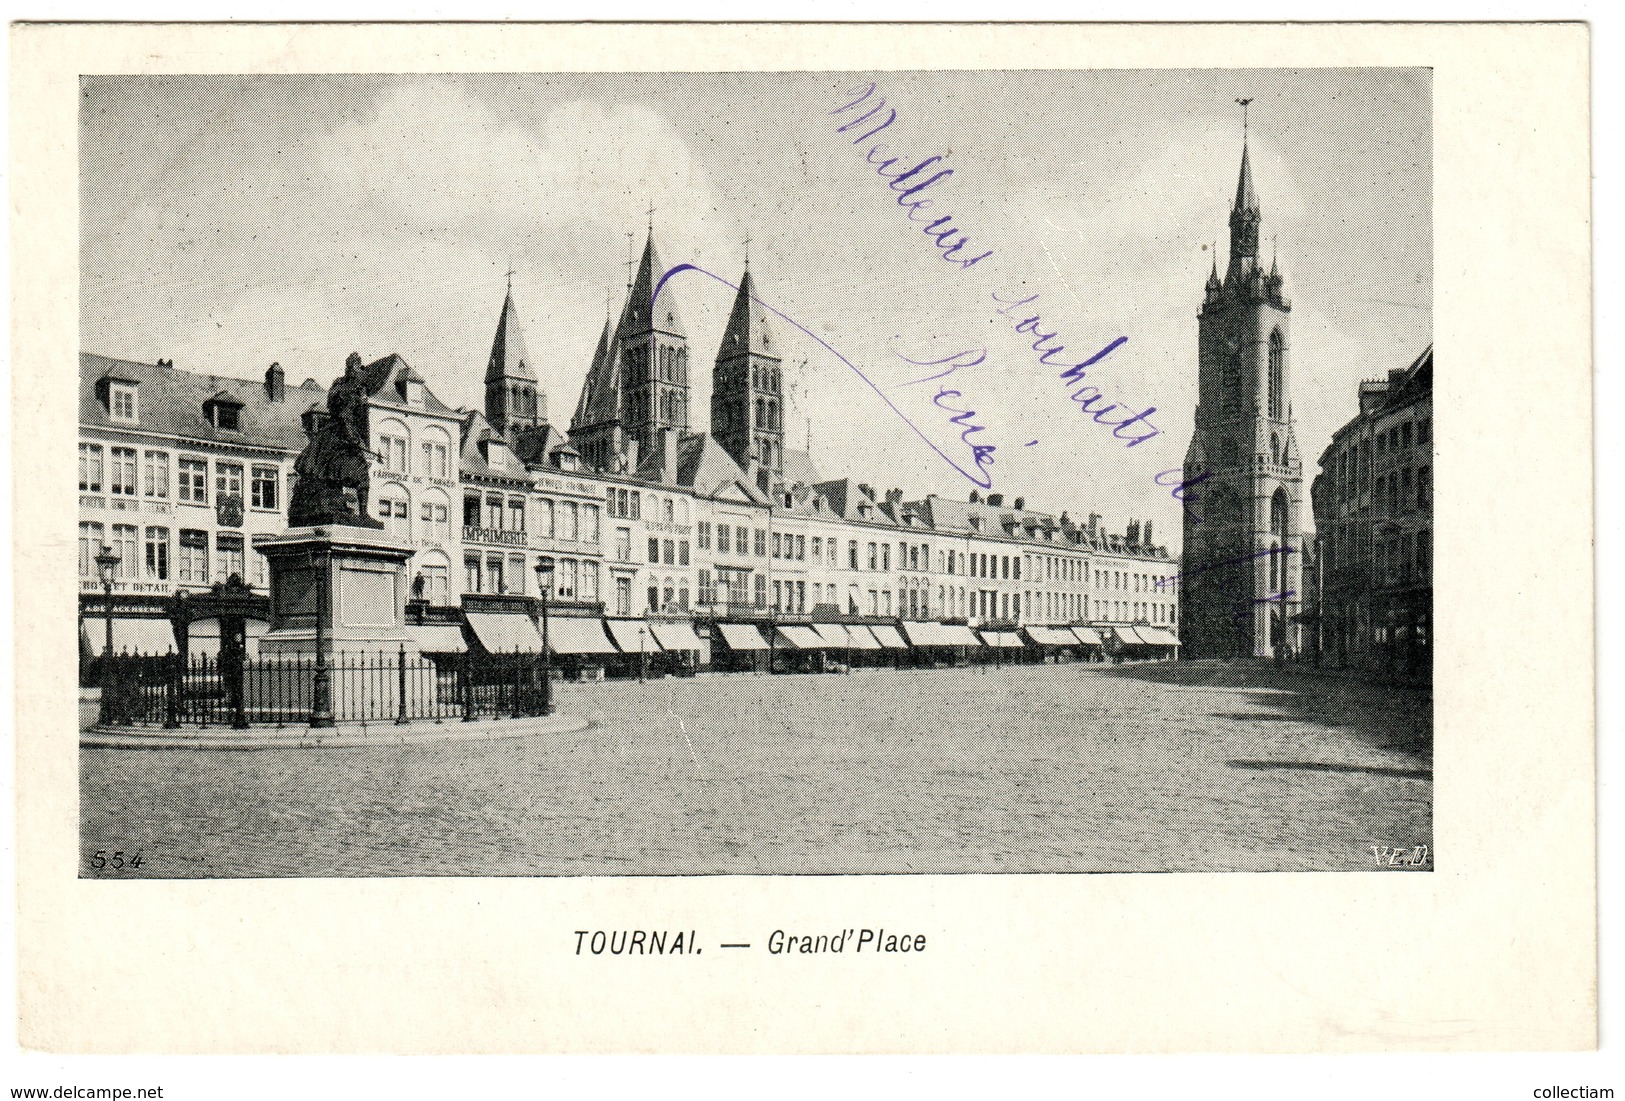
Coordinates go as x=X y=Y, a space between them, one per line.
x=643 y=664
x=544 y=583
x=106 y=563
x=321 y=682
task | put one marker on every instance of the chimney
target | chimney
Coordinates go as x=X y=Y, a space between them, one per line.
x=866 y=489
x=631 y=452
x=1021 y=504
x=1094 y=524
x=975 y=497
x=894 y=496
x=1145 y=533
x=995 y=499
x=275 y=387
x=1132 y=536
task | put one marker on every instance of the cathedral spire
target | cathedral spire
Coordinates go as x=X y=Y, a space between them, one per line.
x=636 y=318
x=1244 y=216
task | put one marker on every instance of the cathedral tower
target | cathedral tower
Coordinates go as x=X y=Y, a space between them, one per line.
x=747 y=396
x=653 y=352
x=513 y=400
x=1240 y=586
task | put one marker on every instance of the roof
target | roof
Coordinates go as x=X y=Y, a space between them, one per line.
x=799 y=469
x=705 y=466
x=747 y=330
x=635 y=317
x=508 y=357
x=171 y=404
x=600 y=401
x=1246 y=197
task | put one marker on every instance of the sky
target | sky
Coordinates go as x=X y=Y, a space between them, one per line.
x=229 y=222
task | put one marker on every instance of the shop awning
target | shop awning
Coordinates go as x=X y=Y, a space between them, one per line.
x=130 y=635
x=625 y=634
x=677 y=636
x=1051 y=636
x=940 y=634
x=1158 y=636
x=742 y=637
x=862 y=638
x=1086 y=635
x=801 y=638
x=958 y=634
x=572 y=635
x=835 y=636
x=437 y=638
x=887 y=636
x=1002 y=640
x=503 y=634
x=1127 y=635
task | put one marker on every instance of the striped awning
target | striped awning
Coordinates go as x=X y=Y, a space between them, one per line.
x=130 y=635
x=504 y=634
x=437 y=638
x=1051 y=636
x=862 y=638
x=625 y=634
x=835 y=635
x=1086 y=635
x=742 y=637
x=801 y=638
x=940 y=634
x=887 y=636
x=676 y=636
x=1158 y=636
x=1002 y=640
x=573 y=635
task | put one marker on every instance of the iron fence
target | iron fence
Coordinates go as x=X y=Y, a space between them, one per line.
x=372 y=687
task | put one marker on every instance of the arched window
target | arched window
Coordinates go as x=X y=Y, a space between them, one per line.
x=761 y=413
x=1277 y=403
x=1275 y=449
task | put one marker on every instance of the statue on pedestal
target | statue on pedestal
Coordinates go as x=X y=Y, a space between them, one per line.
x=332 y=470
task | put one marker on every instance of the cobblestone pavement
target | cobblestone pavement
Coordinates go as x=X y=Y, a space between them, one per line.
x=1157 y=767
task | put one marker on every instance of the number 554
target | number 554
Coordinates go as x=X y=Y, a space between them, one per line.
x=117 y=859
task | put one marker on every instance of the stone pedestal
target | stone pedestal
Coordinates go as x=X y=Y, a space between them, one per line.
x=338 y=594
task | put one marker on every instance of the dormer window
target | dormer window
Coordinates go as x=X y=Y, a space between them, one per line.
x=121 y=402
x=224 y=412
x=976 y=523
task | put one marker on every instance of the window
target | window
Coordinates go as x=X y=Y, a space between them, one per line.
x=722 y=538
x=852 y=554
x=1424 y=430
x=1424 y=552
x=263 y=487
x=761 y=590
x=194 y=557
x=885 y=556
x=157 y=556
x=90 y=545
x=741 y=540
x=193 y=481
x=517 y=571
x=516 y=514
x=1424 y=487
x=471 y=575
x=226 y=417
x=817 y=549
x=654 y=603
x=874 y=557
x=156 y=471
x=634 y=500
x=493 y=514
x=90 y=468
x=654 y=550
x=761 y=544
x=121 y=472
x=437 y=584
x=708 y=592
x=588 y=589
x=703 y=534
x=623 y=544
x=392 y=451
x=1277 y=380
x=623 y=596
x=589 y=524
x=436 y=522
x=393 y=511
x=668 y=552
x=228 y=480
x=121 y=402
x=544 y=517
x=801 y=548
x=778 y=545
x=493 y=575
x=682 y=552
x=436 y=450
x=229 y=555
x=667 y=511
x=471 y=510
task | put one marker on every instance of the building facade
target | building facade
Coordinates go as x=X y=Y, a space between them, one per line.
x=1373 y=501
x=661 y=531
x=1242 y=533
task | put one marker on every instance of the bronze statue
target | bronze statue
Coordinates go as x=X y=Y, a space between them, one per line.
x=332 y=469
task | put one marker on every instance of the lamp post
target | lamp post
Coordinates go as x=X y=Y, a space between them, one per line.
x=544 y=583
x=321 y=685
x=643 y=633
x=106 y=563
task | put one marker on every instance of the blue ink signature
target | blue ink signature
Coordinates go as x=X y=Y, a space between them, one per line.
x=981 y=454
x=1179 y=490
x=978 y=478
x=941 y=231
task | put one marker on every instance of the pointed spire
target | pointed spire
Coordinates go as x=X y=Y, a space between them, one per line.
x=508 y=356
x=1246 y=197
x=594 y=378
x=635 y=317
x=1213 y=275
x=747 y=329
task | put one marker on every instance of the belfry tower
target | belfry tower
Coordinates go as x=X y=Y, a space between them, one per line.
x=747 y=397
x=1240 y=577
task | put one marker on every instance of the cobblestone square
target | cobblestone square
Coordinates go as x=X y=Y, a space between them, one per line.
x=1048 y=768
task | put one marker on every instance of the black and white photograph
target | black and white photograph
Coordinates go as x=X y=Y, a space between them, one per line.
x=756 y=473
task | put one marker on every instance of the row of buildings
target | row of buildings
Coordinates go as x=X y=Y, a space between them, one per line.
x=646 y=517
